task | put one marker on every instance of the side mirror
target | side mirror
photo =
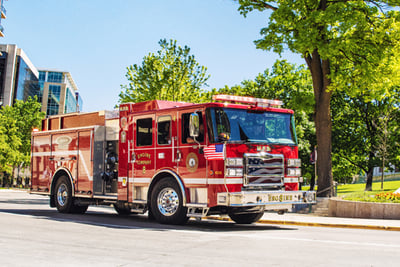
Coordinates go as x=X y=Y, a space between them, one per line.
x=194 y=125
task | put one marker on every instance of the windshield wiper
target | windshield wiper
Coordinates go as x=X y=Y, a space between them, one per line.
x=243 y=135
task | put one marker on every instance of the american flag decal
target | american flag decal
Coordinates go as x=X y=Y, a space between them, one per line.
x=213 y=152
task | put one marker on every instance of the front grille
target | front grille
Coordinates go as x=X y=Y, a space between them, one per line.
x=263 y=169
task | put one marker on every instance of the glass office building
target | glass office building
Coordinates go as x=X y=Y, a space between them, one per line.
x=59 y=92
x=2 y=16
x=27 y=83
x=18 y=77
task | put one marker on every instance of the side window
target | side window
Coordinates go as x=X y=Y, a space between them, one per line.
x=144 y=132
x=185 y=129
x=164 y=130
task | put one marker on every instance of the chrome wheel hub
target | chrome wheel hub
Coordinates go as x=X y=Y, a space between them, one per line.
x=62 y=194
x=168 y=201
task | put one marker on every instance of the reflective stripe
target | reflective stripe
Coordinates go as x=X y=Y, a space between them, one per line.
x=190 y=181
x=195 y=181
x=228 y=181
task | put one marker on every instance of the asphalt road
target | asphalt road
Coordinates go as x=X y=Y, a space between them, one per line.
x=32 y=234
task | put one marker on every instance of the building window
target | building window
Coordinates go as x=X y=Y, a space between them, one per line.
x=55 y=77
x=70 y=102
x=53 y=102
x=79 y=102
x=42 y=76
x=26 y=83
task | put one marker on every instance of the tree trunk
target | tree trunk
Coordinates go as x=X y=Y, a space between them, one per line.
x=383 y=172
x=320 y=70
x=368 y=184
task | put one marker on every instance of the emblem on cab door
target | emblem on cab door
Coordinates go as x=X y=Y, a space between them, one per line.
x=192 y=162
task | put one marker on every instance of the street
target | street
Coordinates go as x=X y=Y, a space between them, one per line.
x=33 y=234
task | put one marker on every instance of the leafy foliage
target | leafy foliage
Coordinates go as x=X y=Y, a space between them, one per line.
x=16 y=124
x=170 y=74
x=357 y=134
x=349 y=46
x=10 y=142
x=292 y=85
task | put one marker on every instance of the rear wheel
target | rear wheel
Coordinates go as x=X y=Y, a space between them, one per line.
x=63 y=198
x=167 y=203
x=79 y=209
x=63 y=195
x=121 y=210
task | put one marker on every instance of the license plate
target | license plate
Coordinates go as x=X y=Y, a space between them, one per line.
x=284 y=197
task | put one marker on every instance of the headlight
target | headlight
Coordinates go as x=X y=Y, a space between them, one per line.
x=294 y=162
x=234 y=162
x=293 y=172
x=234 y=172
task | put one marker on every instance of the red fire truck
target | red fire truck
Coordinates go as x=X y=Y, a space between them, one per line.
x=236 y=156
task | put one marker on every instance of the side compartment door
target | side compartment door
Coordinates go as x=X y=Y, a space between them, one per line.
x=85 y=167
x=40 y=165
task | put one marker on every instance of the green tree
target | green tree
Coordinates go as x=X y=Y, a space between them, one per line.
x=347 y=45
x=292 y=85
x=16 y=124
x=28 y=117
x=170 y=74
x=10 y=141
x=365 y=132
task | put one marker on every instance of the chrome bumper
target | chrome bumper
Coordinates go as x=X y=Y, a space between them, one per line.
x=265 y=198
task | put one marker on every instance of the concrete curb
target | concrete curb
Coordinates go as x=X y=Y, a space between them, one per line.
x=333 y=225
x=318 y=224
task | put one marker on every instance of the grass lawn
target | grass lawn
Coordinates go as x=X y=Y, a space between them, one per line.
x=356 y=191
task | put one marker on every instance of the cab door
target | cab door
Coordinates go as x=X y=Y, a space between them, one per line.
x=191 y=164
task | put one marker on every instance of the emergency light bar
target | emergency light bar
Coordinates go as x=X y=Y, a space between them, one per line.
x=259 y=102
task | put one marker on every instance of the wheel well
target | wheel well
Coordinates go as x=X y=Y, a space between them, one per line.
x=162 y=175
x=57 y=176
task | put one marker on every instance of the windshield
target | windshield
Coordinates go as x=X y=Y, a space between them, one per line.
x=238 y=125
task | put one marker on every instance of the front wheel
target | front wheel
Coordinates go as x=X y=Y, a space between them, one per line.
x=246 y=218
x=167 y=203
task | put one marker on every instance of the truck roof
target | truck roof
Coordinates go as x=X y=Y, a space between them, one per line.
x=76 y=120
x=158 y=105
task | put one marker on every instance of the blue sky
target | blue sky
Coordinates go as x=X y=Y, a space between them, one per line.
x=95 y=40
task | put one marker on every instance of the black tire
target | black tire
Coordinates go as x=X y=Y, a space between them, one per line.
x=63 y=195
x=167 y=203
x=79 y=209
x=246 y=218
x=122 y=210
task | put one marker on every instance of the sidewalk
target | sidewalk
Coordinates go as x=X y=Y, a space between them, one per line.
x=337 y=222
x=321 y=221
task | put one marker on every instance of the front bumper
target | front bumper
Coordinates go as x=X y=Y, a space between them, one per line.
x=266 y=198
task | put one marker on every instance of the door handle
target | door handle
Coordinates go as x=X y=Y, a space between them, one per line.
x=178 y=156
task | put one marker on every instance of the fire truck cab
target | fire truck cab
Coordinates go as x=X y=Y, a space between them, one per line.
x=236 y=156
